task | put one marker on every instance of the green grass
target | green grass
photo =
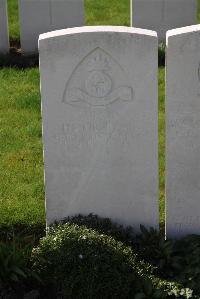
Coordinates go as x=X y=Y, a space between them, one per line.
x=21 y=166
x=13 y=20
x=107 y=12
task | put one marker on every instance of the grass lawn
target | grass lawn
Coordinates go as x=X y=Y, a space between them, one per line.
x=21 y=166
x=21 y=161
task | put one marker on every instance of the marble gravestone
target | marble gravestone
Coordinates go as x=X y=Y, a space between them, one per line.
x=40 y=16
x=99 y=109
x=183 y=131
x=163 y=15
x=4 y=37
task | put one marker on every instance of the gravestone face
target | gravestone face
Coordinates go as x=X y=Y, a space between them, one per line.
x=99 y=108
x=40 y=16
x=163 y=15
x=4 y=39
x=183 y=131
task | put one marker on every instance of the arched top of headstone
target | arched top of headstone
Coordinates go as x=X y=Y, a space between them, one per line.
x=96 y=29
x=183 y=30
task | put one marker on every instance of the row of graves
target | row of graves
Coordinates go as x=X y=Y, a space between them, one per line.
x=40 y=16
x=99 y=90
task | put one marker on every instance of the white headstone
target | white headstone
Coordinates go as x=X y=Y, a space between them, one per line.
x=99 y=108
x=40 y=16
x=183 y=131
x=163 y=15
x=4 y=38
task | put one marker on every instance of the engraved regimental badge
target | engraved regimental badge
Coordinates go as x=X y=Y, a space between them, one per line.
x=98 y=80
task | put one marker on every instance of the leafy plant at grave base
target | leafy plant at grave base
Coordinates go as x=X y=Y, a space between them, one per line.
x=150 y=244
x=176 y=260
x=14 y=262
x=77 y=262
x=81 y=263
x=156 y=250
x=188 y=269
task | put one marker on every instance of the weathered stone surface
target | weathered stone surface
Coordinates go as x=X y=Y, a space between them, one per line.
x=99 y=107
x=4 y=38
x=40 y=16
x=163 y=15
x=183 y=131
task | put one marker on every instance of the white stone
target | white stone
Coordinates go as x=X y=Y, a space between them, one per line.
x=183 y=131
x=4 y=37
x=99 y=108
x=40 y=16
x=163 y=15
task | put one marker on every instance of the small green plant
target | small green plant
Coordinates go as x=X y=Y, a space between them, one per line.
x=187 y=270
x=14 y=262
x=178 y=260
x=153 y=247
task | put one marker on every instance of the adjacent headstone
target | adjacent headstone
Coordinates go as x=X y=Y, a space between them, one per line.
x=99 y=108
x=183 y=131
x=4 y=37
x=163 y=15
x=40 y=16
